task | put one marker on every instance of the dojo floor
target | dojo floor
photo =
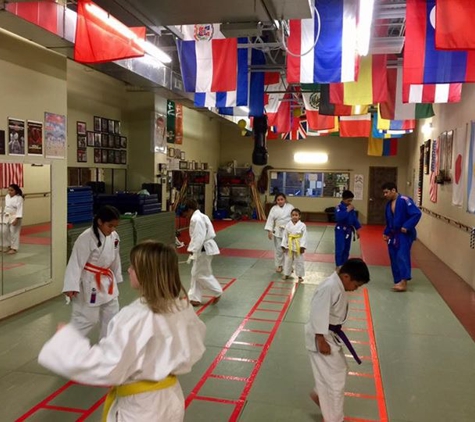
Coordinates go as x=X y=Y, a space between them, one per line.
x=417 y=347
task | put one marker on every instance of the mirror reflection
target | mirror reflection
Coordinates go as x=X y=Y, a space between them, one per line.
x=25 y=220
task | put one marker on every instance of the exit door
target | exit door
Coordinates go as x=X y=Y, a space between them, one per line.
x=376 y=202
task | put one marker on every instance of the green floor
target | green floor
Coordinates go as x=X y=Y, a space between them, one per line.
x=427 y=360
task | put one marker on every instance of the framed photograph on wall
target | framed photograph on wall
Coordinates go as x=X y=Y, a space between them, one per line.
x=81 y=128
x=110 y=156
x=105 y=140
x=97 y=155
x=123 y=156
x=97 y=139
x=82 y=155
x=97 y=124
x=123 y=142
x=171 y=152
x=2 y=143
x=110 y=126
x=183 y=165
x=116 y=141
x=104 y=124
x=117 y=156
x=117 y=127
x=427 y=157
x=104 y=156
x=82 y=142
x=90 y=138
x=182 y=155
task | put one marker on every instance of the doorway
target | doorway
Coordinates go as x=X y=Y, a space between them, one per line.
x=376 y=203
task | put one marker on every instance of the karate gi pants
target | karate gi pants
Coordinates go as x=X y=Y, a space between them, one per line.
x=400 y=256
x=296 y=261
x=342 y=246
x=11 y=235
x=329 y=372
x=202 y=278
x=279 y=253
x=85 y=317
x=167 y=405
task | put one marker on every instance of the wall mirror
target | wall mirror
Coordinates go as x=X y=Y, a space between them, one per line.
x=30 y=265
x=315 y=184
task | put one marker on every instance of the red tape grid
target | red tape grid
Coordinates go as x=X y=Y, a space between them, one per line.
x=85 y=413
x=363 y=299
x=210 y=301
x=272 y=291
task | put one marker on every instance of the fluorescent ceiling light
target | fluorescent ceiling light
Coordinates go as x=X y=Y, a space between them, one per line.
x=122 y=29
x=311 y=157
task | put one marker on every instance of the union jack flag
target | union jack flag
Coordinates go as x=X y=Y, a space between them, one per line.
x=298 y=131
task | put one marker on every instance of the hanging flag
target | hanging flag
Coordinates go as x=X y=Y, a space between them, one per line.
x=208 y=61
x=327 y=108
x=315 y=120
x=431 y=93
x=278 y=112
x=471 y=172
x=454 y=22
x=299 y=130
x=394 y=109
x=423 y=63
x=171 y=122
x=371 y=86
x=237 y=97
x=102 y=38
x=385 y=124
x=382 y=147
x=335 y=131
x=461 y=138
x=11 y=173
x=383 y=134
x=333 y=57
x=355 y=126
x=434 y=171
x=178 y=124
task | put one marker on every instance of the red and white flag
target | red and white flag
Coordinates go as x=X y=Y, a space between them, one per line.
x=355 y=126
x=434 y=170
x=11 y=173
x=432 y=93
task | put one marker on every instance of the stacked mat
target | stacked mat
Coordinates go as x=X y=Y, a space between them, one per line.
x=80 y=204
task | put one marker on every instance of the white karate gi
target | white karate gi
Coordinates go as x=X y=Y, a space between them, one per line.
x=276 y=221
x=94 y=304
x=140 y=345
x=329 y=306
x=12 y=210
x=203 y=247
x=298 y=239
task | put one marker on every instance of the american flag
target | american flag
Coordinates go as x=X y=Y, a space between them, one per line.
x=11 y=173
x=434 y=170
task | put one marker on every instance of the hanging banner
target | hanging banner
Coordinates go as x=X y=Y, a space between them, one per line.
x=358 y=186
x=159 y=133
x=171 y=122
x=178 y=124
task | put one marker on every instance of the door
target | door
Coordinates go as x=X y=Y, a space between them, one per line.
x=376 y=203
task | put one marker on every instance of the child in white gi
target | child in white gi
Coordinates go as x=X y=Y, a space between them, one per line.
x=11 y=219
x=93 y=272
x=278 y=218
x=324 y=338
x=148 y=344
x=202 y=248
x=294 y=243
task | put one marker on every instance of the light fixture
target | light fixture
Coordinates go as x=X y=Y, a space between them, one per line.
x=365 y=20
x=311 y=157
x=125 y=31
x=427 y=128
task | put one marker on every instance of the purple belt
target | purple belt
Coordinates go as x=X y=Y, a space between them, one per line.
x=339 y=332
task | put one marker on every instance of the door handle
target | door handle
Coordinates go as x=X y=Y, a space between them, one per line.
x=371 y=199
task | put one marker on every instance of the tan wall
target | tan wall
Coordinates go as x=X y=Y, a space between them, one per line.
x=448 y=242
x=34 y=81
x=343 y=154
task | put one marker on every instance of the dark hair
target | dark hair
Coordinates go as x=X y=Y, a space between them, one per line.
x=347 y=194
x=280 y=194
x=389 y=186
x=190 y=204
x=106 y=213
x=17 y=189
x=357 y=269
x=297 y=211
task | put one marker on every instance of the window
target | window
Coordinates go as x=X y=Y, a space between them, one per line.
x=312 y=185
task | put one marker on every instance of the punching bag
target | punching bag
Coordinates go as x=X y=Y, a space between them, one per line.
x=260 y=154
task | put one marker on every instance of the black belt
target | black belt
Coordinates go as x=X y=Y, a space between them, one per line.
x=339 y=332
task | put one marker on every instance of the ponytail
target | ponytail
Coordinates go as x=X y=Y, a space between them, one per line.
x=106 y=213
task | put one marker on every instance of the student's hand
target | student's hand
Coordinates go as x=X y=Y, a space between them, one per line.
x=60 y=326
x=385 y=238
x=270 y=235
x=284 y=249
x=71 y=294
x=14 y=222
x=350 y=208
x=403 y=230
x=357 y=234
x=302 y=250
x=322 y=346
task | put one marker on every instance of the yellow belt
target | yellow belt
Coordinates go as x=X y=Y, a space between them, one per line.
x=292 y=238
x=135 y=388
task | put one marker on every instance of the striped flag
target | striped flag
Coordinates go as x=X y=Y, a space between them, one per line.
x=11 y=173
x=432 y=93
x=382 y=147
x=355 y=126
x=333 y=58
x=434 y=170
x=316 y=121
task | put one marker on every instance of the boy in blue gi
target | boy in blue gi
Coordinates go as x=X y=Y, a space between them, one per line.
x=402 y=216
x=347 y=224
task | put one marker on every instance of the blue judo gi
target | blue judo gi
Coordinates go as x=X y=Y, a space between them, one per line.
x=407 y=215
x=346 y=223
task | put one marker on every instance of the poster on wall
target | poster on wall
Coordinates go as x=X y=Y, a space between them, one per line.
x=178 y=124
x=426 y=157
x=2 y=143
x=358 y=186
x=16 y=136
x=55 y=135
x=159 y=133
x=35 y=137
x=171 y=121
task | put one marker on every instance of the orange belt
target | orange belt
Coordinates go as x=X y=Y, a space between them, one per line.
x=99 y=272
